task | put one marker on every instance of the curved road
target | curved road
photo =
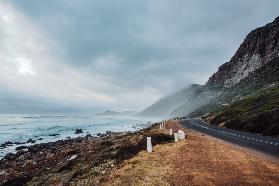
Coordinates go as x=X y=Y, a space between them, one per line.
x=258 y=142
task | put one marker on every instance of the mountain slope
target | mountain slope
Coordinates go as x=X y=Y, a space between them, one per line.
x=258 y=48
x=257 y=112
x=267 y=76
x=249 y=99
x=243 y=93
x=199 y=97
x=166 y=105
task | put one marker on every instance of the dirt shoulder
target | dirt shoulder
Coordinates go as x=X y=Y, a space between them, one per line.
x=198 y=160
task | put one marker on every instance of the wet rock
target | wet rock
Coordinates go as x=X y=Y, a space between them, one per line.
x=78 y=131
x=10 y=156
x=99 y=134
x=108 y=132
x=30 y=141
x=6 y=144
x=54 y=134
x=21 y=147
x=40 y=139
x=18 y=143
x=20 y=152
x=88 y=136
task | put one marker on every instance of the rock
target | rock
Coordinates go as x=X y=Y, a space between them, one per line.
x=99 y=134
x=20 y=152
x=108 y=132
x=88 y=136
x=21 y=147
x=78 y=131
x=72 y=157
x=6 y=144
x=18 y=143
x=40 y=139
x=10 y=156
x=30 y=141
x=53 y=134
x=19 y=180
x=258 y=48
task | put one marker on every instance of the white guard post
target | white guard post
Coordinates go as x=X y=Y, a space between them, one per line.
x=181 y=135
x=149 y=145
x=170 y=132
x=175 y=137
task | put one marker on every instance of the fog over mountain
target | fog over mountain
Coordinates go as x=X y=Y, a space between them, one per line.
x=91 y=55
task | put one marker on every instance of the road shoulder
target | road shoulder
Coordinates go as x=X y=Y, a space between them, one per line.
x=198 y=160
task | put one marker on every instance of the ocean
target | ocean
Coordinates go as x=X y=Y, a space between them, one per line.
x=20 y=128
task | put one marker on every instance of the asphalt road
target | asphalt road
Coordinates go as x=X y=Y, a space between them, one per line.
x=258 y=142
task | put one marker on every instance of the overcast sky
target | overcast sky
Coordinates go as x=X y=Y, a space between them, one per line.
x=90 y=55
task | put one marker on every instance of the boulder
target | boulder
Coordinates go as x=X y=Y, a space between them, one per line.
x=21 y=147
x=30 y=141
x=78 y=131
x=54 y=134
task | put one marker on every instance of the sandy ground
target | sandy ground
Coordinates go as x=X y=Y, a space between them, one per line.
x=198 y=160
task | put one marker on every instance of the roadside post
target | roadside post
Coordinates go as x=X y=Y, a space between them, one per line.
x=170 y=132
x=175 y=137
x=149 y=145
x=181 y=135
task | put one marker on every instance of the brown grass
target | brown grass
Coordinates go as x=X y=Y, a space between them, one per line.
x=198 y=160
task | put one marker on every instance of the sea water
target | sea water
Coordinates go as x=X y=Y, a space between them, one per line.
x=20 y=128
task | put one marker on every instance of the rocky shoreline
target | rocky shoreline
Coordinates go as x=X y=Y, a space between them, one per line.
x=74 y=161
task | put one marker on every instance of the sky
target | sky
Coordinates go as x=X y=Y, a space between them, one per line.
x=91 y=55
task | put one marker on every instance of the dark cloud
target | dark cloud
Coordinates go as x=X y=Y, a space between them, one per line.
x=142 y=45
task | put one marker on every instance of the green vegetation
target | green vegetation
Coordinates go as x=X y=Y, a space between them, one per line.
x=257 y=112
x=251 y=105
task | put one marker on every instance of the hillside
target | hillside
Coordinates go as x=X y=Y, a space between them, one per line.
x=261 y=79
x=257 y=112
x=201 y=96
x=258 y=48
x=230 y=95
x=249 y=97
x=165 y=106
x=254 y=107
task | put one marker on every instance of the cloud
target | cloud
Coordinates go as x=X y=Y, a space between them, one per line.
x=118 y=54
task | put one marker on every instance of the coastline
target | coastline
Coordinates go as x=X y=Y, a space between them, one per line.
x=74 y=159
x=27 y=130
x=121 y=159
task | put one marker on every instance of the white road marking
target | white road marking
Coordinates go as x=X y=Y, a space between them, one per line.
x=236 y=135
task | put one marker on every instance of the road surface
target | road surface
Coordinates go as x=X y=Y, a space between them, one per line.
x=255 y=141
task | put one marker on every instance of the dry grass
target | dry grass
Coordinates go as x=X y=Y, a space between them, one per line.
x=198 y=160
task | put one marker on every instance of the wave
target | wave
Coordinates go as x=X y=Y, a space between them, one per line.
x=38 y=117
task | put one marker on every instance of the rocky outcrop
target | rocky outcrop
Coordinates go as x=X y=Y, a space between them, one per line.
x=258 y=48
